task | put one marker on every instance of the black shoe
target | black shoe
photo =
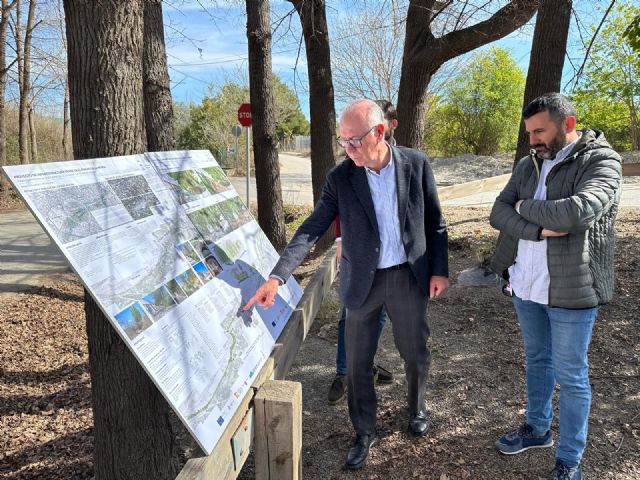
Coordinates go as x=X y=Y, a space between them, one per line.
x=338 y=389
x=566 y=472
x=382 y=375
x=419 y=424
x=358 y=454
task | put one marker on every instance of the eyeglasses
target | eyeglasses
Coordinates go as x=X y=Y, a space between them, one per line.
x=355 y=142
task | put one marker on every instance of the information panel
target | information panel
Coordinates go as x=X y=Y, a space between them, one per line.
x=170 y=253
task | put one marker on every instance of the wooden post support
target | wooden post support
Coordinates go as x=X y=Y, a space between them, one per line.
x=278 y=431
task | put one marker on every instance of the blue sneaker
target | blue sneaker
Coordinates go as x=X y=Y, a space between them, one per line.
x=566 y=472
x=523 y=439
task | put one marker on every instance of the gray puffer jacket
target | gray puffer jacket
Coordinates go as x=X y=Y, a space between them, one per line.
x=583 y=194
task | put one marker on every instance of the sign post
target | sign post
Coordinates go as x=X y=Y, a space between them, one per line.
x=236 y=130
x=244 y=117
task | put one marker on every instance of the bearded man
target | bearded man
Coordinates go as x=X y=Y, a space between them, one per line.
x=556 y=216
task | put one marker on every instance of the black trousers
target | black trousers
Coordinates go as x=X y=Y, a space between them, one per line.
x=399 y=292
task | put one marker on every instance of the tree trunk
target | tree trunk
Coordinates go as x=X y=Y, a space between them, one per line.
x=265 y=139
x=66 y=121
x=132 y=430
x=4 y=22
x=424 y=54
x=68 y=155
x=33 y=142
x=412 y=92
x=635 y=126
x=158 y=107
x=17 y=34
x=548 y=51
x=25 y=85
x=321 y=104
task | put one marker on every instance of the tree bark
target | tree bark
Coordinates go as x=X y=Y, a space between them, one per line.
x=4 y=23
x=33 y=141
x=265 y=139
x=424 y=54
x=321 y=100
x=17 y=34
x=132 y=430
x=548 y=51
x=66 y=121
x=25 y=85
x=158 y=107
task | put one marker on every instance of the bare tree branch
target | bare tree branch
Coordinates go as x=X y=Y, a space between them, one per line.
x=578 y=74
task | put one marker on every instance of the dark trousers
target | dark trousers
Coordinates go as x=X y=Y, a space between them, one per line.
x=399 y=293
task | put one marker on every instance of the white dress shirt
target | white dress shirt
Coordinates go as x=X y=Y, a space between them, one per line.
x=383 y=189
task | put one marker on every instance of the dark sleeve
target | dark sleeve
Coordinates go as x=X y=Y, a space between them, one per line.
x=338 y=232
x=435 y=225
x=310 y=231
x=503 y=215
x=594 y=194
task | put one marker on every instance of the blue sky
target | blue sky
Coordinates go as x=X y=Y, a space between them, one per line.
x=210 y=47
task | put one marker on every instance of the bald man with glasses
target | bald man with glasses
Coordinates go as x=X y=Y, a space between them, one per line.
x=394 y=256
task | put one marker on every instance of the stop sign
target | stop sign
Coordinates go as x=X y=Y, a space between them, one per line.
x=244 y=114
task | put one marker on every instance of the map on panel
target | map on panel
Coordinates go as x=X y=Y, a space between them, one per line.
x=170 y=252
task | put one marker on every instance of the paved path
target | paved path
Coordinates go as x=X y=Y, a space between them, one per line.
x=295 y=178
x=27 y=255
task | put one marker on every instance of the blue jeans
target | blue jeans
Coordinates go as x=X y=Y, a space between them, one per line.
x=341 y=352
x=556 y=342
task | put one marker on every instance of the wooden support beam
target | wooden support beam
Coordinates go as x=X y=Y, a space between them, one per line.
x=278 y=431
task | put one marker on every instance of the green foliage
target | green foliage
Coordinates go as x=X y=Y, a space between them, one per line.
x=290 y=120
x=609 y=93
x=209 y=124
x=612 y=117
x=479 y=110
x=632 y=33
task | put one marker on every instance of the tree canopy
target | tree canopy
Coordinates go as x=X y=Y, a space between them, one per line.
x=608 y=96
x=479 y=110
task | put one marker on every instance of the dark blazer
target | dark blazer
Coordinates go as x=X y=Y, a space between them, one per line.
x=346 y=193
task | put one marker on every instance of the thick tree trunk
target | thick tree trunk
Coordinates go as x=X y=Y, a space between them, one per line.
x=548 y=51
x=33 y=141
x=412 y=92
x=265 y=139
x=4 y=23
x=132 y=431
x=321 y=102
x=158 y=107
x=424 y=54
